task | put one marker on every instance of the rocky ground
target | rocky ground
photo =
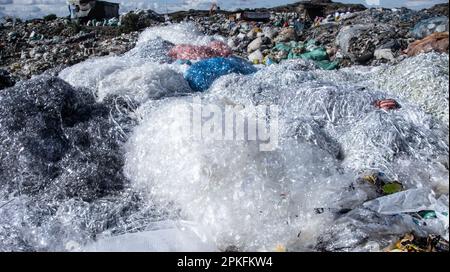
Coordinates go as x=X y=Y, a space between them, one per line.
x=32 y=47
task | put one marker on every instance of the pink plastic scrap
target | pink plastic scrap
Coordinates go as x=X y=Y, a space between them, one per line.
x=194 y=52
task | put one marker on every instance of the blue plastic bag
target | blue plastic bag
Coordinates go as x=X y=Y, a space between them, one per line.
x=202 y=74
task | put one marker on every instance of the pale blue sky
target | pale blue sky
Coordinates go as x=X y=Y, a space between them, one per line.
x=38 y=8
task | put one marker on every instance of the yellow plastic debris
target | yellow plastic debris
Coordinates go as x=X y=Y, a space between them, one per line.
x=280 y=248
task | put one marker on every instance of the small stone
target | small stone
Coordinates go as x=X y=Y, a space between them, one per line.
x=256 y=57
x=254 y=45
x=384 y=54
x=286 y=35
x=441 y=28
x=241 y=36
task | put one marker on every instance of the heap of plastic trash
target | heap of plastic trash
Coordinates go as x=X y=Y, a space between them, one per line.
x=97 y=158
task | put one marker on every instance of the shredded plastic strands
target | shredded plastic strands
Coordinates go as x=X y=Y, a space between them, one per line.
x=141 y=74
x=422 y=79
x=61 y=163
x=144 y=82
x=368 y=137
x=243 y=196
x=88 y=74
x=154 y=50
x=104 y=158
x=343 y=122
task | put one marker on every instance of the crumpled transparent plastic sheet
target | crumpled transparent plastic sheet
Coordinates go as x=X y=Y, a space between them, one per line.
x=413 y=200
x=166 y=236
x=362 y=230
x=382 y=220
